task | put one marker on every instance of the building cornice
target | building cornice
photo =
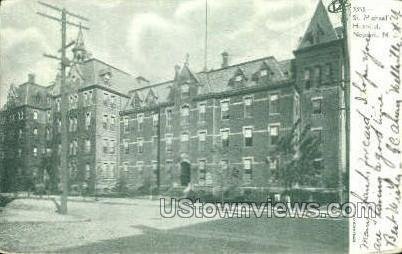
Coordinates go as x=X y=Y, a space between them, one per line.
x=102 y=88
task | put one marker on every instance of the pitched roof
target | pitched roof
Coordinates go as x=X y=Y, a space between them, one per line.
x=217 y=81
x=91 y=72
x=320 y=28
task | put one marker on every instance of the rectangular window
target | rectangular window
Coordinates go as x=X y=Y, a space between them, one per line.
x=169 y=142
x=35 y=151
x=307 y=78
x=185 y=90
x=224 y=109
x=202 y=171
x=155 y=121
x=125 y=124
x=224 y=166
x=202 y=137
x=317 y=76
x=75 y=147
x=71 y=148
x=105 y=99
x=225 y=137
x=105 y=121
x=140 y=166
x=58 y=126
x=105 y=145
x=48 y=116
x=317 y=105
x=140 y=121
x=87 y=146
x=75 y=124
x=112 y=146
x=248 y=106
x=58 y=104
x=113 y=101
x=273 y=163
x=70 y=124
x=87 y=171
x=87 y=120
x=48 y=134
x=35 y=115
x=274 y=104
x=126 y=147
x=85 y=98
x=35 y=131
x=185 y=114
x=75 y=98
x=202 y=111
x=154 y=170
x=125 y=167
x=112 y=122
x=248 y=170
x=169 y=114
x=248 y=136
x=140 y=145
x=263 y=72
x=184 y=137
x=274 y=134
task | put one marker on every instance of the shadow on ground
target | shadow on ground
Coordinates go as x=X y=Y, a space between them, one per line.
x=246 y=235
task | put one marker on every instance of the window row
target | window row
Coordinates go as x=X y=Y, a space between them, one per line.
x=109 y=146
x=109 y=122
x=315 y=76
x=73 y=100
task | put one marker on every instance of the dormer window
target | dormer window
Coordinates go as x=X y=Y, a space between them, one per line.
x=106 y=77
x=238 y=78
x=263 y=73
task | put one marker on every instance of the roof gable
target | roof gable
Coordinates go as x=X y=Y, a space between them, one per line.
x=320 y=29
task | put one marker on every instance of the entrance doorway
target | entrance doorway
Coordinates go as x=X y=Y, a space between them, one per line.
x=185 y=173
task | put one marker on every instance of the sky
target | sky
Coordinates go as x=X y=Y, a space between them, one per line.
x=149 y=37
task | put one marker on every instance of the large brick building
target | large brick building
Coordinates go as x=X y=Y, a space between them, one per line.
x=206 y=129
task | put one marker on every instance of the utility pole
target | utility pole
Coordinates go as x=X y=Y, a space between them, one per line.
x=64 y=63
x=206 y=38
x=341 y=6
x=158 y=152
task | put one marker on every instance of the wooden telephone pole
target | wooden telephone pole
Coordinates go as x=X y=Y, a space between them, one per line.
x=64 y=63
x=341 y=6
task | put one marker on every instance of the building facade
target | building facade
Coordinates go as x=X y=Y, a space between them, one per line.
x=214 y=129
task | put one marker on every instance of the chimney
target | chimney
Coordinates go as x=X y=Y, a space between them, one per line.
x=225 y=59
x=31 y=78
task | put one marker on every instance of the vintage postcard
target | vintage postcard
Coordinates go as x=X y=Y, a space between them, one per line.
x=200 y=126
